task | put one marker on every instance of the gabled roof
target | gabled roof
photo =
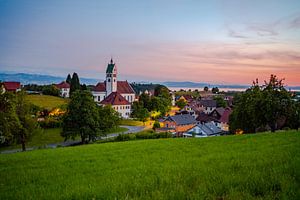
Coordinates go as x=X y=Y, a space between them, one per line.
x=123 y=87
x=100 y=87
x=182 y=119
x=207 y=128
x=225 y=117
x=11 y=85
x=63 y=84
x=115 y=98
x=208 y=103
x=202 y=117
x=213 y=127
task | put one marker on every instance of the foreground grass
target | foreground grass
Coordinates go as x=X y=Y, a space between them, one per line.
x=47 y=101
x=261 y=166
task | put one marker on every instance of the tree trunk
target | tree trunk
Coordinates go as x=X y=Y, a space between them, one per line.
x=23 y=142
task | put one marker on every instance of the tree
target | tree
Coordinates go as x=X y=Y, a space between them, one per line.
x=75 y=84
x=109 y=118
x=145 y=101
x=260 y=106
x=139 y=112
x=27 y=123
x=82 y=117
x=181 y=103
x=83 y=87
x=9 y=121
x=51 y=90
x=205 y=89
x=215 y=90
x=220 y=101
x=69 y=79
x=156 y=125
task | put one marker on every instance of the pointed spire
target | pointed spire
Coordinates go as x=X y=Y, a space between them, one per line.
x=111 y=61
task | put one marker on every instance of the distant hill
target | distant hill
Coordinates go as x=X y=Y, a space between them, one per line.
x=40 y=79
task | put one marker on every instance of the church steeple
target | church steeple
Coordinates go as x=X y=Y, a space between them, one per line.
x=111 y=77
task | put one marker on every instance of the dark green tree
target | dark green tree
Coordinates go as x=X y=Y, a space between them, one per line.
x=205 y=89
x=139 y=112
x=82 y=117
x=69 y=79
x=27 y=123
x=109 y=118
x=51 y=90
x=75 y=83
x=181 y=103
x=220 y=101
x=9 y=121
x=156 y=125
x=215 y=90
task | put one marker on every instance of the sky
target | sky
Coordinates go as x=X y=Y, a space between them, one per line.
x=213 y=41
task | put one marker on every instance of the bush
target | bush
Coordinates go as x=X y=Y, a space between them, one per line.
x=50 y=123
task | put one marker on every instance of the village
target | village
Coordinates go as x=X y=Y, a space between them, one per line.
x=204 y=115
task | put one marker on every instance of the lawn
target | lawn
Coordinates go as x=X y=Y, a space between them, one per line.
x=117 y=130
x=130 y=122
x=257 y=166
x=47 y=101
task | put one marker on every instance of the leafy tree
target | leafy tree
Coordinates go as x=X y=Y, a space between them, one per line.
x=51 y=90
x=75 y=84
x=181 y=103
x=9 y=121
x=159 y=104
x=261 y=106
x=220 y=101
x=83 y=87
x=139 y=112
x=156 y=125
x=145 y=101
x=205 y=89
x=69 y=79
x=109 y=118
x=215 y=90
x=27 y=123
x=82 y=117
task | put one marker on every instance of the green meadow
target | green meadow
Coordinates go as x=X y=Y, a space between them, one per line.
x=254 y=166
x=47 y=101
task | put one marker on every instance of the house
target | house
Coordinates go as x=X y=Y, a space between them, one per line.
x=111 y=84
x=203 y=130
x=224 y=120
x=179 y=123
x=64 y=88
x=11 y=86
x=208 y=105
x=119 y=103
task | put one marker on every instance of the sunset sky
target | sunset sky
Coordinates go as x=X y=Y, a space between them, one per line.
x=214 y=41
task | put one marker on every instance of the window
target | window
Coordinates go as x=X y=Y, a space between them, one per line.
x=130 y=98
x=114 y=80
x=108 y=80
x=99 y=98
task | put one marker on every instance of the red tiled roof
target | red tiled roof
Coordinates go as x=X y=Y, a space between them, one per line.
x=63 y=84
x=100 y=87
x=115 y=98
x=225 y=117
x=12 y=86
x=123 y=87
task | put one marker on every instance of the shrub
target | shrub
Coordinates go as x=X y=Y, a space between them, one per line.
x=50 y=123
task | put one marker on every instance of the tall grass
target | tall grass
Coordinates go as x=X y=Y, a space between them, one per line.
x=260 y=166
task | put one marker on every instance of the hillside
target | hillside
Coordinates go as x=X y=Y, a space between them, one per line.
x=232 y=167
x=47 y=101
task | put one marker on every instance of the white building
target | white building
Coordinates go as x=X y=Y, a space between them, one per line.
x=111 y=84
x=111 y=90
x=64 y=88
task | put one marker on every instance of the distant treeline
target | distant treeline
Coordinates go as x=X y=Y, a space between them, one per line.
x=139 y=87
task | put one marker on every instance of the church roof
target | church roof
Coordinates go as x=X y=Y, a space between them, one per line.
x=115 y=98
x=123 y=87
x=110 y=67
x=63 y=84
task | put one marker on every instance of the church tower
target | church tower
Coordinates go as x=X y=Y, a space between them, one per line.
x=111 y=78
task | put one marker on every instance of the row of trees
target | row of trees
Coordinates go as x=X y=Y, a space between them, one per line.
x=87 y=120
x=263 y=107
x=159 y=102
x=16 y=121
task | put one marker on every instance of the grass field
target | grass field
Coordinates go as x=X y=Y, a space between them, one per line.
x=261 y=166
x=46 y=101
x=129 y=122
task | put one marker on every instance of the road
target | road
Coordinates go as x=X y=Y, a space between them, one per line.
x=131 y=129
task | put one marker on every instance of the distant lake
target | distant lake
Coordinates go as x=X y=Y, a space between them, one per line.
x=223 y=89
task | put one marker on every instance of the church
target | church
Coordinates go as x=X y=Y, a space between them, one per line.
x=119 y=94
